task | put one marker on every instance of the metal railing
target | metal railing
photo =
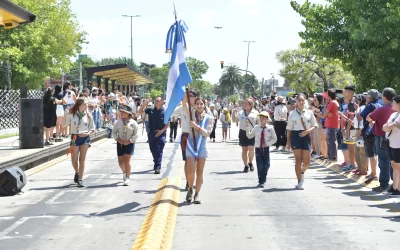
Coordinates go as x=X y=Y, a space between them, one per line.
x=9 y=107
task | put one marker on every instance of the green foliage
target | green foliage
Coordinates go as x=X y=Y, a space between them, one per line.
x=145 y=68
x=231 y=78
x=119 y=60
x=154 y=93
x=205 y=87
x=43 y=48
x=73 y=75
x=234 y=98
x=362 y=34
x=308 y=72
x=197 y=68
x=290 y=94
x=160 y=76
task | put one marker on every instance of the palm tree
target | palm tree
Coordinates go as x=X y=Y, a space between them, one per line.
x=231 y=78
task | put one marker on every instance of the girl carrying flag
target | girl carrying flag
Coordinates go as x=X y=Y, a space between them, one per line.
x=196 y=159
x=265 y=137
x=125 y=133
x=82 y=125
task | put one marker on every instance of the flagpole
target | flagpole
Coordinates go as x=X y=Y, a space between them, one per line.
x=191 y=118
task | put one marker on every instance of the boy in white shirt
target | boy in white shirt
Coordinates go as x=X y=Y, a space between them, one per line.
x=265 y=137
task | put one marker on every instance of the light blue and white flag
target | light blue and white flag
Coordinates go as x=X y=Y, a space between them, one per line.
x=179 y=74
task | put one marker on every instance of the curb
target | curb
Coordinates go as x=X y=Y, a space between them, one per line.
x=359 y=179
x=44 y=155
x=158 y=226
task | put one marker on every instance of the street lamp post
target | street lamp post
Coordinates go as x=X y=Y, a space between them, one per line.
x=131 y=33
x=248 y=54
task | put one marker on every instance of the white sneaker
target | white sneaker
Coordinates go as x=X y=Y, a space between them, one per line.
x=127 y=181
x=299 y=186
x=124 y=176
x=316 y=156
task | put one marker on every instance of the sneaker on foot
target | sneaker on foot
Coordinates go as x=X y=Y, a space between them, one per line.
x=251 y=166
x=80 y=183
x=127 y=181
x=246 y=169
x=157 y=171
x=124 y=176
x=76 y=177
x=395 y=193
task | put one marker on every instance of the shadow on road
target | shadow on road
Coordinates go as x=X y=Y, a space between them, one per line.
x=227 y=173
x=126 y=208
x=240 y=188
x=155 y=191
x=272 y=190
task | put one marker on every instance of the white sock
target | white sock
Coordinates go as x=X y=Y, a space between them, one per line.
x=124 y=176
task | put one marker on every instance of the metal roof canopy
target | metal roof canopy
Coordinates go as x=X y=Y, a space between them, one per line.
x=121 y=73
x=9 y=11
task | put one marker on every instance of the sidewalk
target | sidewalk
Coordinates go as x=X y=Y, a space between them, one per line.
x=9 y=131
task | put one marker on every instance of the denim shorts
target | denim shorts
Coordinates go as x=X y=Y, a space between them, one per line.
x=125 y=149
x=297 y=142
x=81 y=140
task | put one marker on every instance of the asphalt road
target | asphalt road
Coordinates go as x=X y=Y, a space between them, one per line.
x=331 y=213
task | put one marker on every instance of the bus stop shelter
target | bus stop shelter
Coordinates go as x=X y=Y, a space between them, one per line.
x=12 y=15
x=121 y=76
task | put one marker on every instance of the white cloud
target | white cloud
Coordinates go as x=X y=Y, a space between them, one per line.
x=206 y=18
x=252 y=6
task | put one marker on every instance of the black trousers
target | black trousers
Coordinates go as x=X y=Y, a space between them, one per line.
x=212 y=135
x=173 y=128
x=280 y=130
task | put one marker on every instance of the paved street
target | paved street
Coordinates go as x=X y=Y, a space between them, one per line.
x=331 y=213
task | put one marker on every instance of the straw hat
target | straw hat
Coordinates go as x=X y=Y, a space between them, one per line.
x=281 y=99
x=264 y=113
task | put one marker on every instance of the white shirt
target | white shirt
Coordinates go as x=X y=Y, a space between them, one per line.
x=85 y=125
x=280 y=112
x=269 y=135
x=359 y=124
x=294 y=121
x=394 y=138
x=252 y=116
x=185 y=119
x=126 y=132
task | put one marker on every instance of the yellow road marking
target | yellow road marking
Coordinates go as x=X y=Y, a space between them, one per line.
x=55 y=161
x=158 y=226
x=360 y=180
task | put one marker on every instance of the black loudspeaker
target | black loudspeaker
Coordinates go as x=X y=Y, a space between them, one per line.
x=12 y=181
x=30 y=123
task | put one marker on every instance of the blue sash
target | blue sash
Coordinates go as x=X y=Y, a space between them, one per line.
x=200 y=140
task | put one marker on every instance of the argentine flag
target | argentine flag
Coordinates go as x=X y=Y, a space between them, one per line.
x=179 y=74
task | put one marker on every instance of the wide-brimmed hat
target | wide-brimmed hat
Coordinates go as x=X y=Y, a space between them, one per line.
x=264 y=113
x=281 y=99
x=225 y=109
x=126 y=109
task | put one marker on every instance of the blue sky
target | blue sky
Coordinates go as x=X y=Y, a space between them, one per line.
x=271 y=23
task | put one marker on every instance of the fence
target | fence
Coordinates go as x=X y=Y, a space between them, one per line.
x=9 y=107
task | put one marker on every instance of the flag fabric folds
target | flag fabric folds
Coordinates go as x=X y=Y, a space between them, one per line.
x=179 y=74
x=171 y=35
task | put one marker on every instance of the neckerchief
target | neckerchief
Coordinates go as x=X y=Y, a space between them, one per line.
x=125 y=126
x=80 y=116
x=301 y=117
x=200 y=140
x=262 y=141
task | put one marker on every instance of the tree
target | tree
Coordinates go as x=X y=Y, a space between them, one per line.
x=154 y=93
x=231 y=78
x=160 y=76
x=306 y=71
x=145 y=68
x=44 y=47
x=119 y=60
x=197 y=68
x=362 y=34
x=74 y=76
x=205 y=87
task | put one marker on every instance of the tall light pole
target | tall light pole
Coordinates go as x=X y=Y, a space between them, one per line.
x=131 y=33
x=248 y=54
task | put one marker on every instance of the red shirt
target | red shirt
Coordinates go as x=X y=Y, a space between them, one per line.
x=381 y=116
x=332 y=121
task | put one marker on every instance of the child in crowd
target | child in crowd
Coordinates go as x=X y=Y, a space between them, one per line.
x=265 y=137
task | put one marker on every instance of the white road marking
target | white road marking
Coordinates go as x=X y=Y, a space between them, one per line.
x=6 y=218
x=18 y=223
x=80 y=194
x=87 y=225
x=98 y=179
x=66 y=219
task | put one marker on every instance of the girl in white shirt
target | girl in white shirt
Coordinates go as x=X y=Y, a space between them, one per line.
x=392 y=129
x=82 y=125
x=265 y=137
x=301 y=123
